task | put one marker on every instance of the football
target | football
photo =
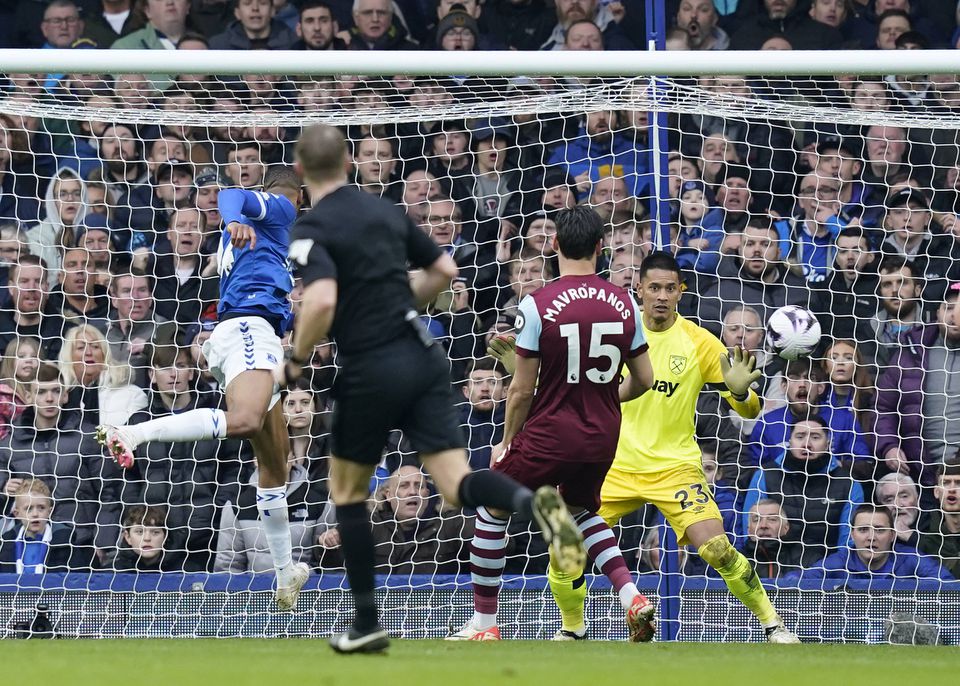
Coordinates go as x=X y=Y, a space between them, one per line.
x=793 y=332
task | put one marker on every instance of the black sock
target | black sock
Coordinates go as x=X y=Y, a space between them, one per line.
x=356 y=542
x=496 y=491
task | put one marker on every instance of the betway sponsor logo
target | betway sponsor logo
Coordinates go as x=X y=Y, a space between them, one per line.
x=665 y=387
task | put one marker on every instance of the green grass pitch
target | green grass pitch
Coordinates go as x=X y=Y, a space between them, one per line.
x=300 y=662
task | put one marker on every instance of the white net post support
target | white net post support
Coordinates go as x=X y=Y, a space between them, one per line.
x=411 y=140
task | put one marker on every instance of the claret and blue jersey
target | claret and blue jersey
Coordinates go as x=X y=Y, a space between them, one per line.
x=258 y=281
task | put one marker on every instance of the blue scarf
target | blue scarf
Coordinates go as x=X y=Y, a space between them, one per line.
x=32 y=552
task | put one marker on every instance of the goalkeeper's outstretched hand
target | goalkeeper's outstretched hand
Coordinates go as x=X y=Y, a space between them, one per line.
x=739 y=371
x=503 y=348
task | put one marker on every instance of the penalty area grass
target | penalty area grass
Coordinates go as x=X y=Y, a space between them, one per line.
x=301 y=662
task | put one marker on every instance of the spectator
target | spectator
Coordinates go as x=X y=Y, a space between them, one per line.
x=701 y=228
x=900 y=307
x=841 y=158
x=166 y=25
x=804 y=387
x=940 y=532
x=410 y=534
x=190 y=479
x=600 y=150
x=241 y=545
x=419 y=187
x=768 y=544
x=18 y=371
x=808 y=240
x=908 y=226
x=846 y=301
x=899 y=493
x=51 y=444
x=374 y=28
x=18 y=192
x=918 y=397
x=63 y=203
x=816 y=492
x=724 y=489
x=887 y=151
x=783 y=17
x=375 y=164
x=458 y=30
x=570 y=11
x=95 y=237
x=133 y=323
x=255 y=28
x=62 y=27
x=518 y=24
x=850 y=382
x=98 y=387
x=583 y=35
x=482 y=415
x=754 y=276
x=493 y=184
x=836 y=14
x=12 y=241
x=317 y=28
x=874 y=554
x=208 y=183
x=127 y=178
x=148 y=545
x=244 y=165
x=78 y=298
x=699 y=19
x=527 y=274
x=27 y=284
x=734 y=198
x=184 y=286
x=448 y=151
x=117 y=18
x=37 y=545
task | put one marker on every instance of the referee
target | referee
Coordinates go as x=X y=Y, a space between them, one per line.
x=353 y=252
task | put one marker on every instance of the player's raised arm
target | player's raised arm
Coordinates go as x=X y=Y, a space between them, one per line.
x=235 y=204
x=739 y=372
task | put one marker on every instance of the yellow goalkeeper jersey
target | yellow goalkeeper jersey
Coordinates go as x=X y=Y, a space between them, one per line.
x=658 y=428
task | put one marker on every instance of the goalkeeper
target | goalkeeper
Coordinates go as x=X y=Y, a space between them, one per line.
x=658 y=460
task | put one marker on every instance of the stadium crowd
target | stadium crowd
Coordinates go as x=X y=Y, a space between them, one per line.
x=109 y=234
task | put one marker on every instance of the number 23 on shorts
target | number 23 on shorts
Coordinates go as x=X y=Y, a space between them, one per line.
x=695 y=493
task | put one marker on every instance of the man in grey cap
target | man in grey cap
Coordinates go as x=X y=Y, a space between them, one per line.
x=208 y=183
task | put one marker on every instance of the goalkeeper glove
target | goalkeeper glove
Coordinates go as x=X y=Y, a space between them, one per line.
x=503 y=348
x=739 y=372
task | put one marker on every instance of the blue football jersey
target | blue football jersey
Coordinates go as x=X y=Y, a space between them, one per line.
x=257 y=281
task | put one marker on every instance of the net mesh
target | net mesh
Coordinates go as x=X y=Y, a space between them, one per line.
x=858 y=179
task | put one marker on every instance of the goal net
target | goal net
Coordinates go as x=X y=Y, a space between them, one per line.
x=837 y=193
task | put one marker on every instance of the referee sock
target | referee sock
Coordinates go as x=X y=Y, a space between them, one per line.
x=186 y=427
x=275 y=520
x=356 y=542
x=495 y=491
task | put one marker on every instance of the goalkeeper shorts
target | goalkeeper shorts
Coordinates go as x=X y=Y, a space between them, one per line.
x=681 y=493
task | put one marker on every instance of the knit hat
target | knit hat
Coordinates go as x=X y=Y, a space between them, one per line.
x=457 y=18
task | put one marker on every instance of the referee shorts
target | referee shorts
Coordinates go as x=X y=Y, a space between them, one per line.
x=403 y=385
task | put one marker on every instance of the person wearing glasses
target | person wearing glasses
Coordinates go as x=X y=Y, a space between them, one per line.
x=374 y=28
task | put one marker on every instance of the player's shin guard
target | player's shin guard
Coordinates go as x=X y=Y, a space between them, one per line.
x=275 y=519
x=741 y=578
x=569 y=592
x=602 y=548
x=356 y=542
x=487 y=559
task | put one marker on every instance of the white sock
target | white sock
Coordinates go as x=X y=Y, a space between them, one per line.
x=187 y=427
x=627 y=594
x=482 y=622
x=272 y=503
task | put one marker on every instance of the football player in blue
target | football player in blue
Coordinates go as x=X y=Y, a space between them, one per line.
x=243 y=352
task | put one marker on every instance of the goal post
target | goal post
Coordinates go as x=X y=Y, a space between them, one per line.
x=673 y=149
